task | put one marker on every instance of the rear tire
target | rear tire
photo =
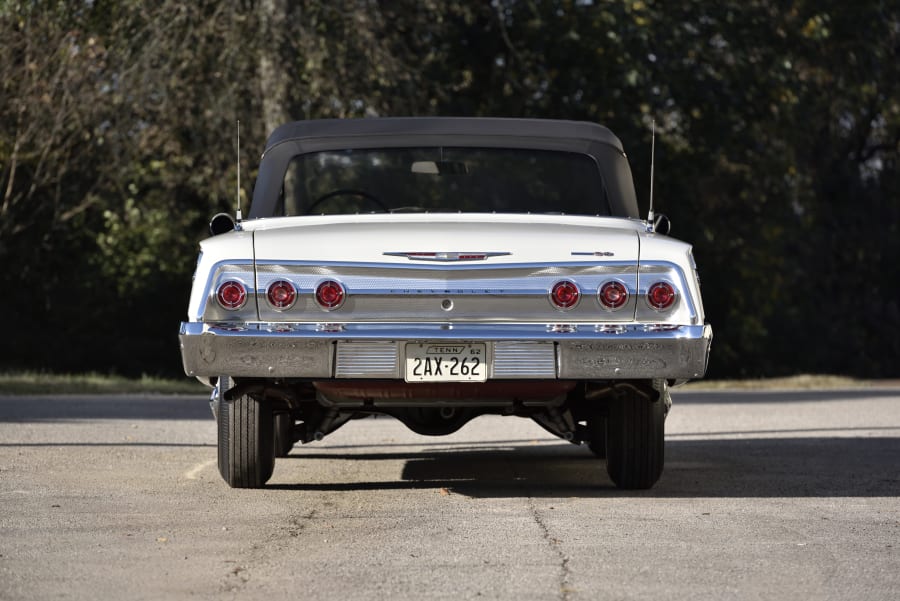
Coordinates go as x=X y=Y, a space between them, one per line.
x=635 y=436
x=597 y=436
x=284 y=434
x=246 y=433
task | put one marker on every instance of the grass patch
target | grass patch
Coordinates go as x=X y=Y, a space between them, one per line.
x=31 y=383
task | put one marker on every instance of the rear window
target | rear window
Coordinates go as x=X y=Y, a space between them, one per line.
x=472 y=180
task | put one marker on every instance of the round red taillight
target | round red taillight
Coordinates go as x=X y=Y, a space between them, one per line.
x=281 y=294
x=661 y=295
x=613 y=295
x=231 y=295
x=330 y=294
x=565 y=294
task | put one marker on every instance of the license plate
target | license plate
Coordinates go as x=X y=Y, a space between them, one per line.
x=446 y=362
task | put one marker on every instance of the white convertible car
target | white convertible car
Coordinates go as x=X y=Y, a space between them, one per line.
x=435 y=270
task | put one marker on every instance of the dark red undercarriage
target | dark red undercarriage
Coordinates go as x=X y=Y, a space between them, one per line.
x=381 y=390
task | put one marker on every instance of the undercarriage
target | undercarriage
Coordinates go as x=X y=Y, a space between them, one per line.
x=260 y=419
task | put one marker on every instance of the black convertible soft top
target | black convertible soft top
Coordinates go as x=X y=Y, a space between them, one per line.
x=302 y=137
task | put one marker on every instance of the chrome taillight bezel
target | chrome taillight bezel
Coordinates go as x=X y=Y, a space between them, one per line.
x=222 y=290
x=327 y=304
x=281 y=305
x=562 y=304
x=665 y=305
x=617 y=304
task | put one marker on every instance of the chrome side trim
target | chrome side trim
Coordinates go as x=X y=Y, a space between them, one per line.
x=241 y=270
x=653 y=271
x=330 y=266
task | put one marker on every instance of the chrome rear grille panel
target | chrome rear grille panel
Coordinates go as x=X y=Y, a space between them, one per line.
x=367 y=360
x=516 y=360
x=512 y=360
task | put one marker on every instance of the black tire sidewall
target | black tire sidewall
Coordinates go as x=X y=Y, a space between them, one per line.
x=635 y=440
x=246 y=454
x=284 y=434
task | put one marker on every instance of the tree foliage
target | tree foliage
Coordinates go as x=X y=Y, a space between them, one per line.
x=779 y=127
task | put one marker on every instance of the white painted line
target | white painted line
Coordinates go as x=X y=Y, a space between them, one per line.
x=192 y=473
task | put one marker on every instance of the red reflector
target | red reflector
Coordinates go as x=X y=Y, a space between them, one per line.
x=613 y=295
x=231 y=295
x=281 y=294
x=661 y=295
x=565 y=294
x=330 y=294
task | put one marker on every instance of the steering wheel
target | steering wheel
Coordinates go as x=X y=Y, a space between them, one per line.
x=347 y=192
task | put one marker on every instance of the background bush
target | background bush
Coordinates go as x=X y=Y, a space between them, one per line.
x=778 y=121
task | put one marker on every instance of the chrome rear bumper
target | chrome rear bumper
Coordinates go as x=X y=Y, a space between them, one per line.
x=517 y=351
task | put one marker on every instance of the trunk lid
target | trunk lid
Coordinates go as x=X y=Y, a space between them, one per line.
x=457 y=239
x=447 y=268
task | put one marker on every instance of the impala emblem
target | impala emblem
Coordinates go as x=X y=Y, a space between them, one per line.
x=446 y=256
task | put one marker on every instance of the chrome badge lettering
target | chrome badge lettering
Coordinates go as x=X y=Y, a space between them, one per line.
x=446 y=256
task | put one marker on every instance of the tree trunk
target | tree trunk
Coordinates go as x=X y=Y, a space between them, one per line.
x=272 y=71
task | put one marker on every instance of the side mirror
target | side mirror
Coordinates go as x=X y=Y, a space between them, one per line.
x=221 y=224
x=662 y=225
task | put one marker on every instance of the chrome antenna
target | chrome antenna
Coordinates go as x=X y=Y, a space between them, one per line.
x=650 y=225
x=238 y=215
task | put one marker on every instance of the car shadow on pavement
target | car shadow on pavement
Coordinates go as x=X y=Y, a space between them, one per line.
x=759 y=467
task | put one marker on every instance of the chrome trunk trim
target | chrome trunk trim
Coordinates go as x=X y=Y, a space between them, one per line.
x=441 y=291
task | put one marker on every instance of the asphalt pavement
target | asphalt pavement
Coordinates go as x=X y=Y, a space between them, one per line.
x=765 y=495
